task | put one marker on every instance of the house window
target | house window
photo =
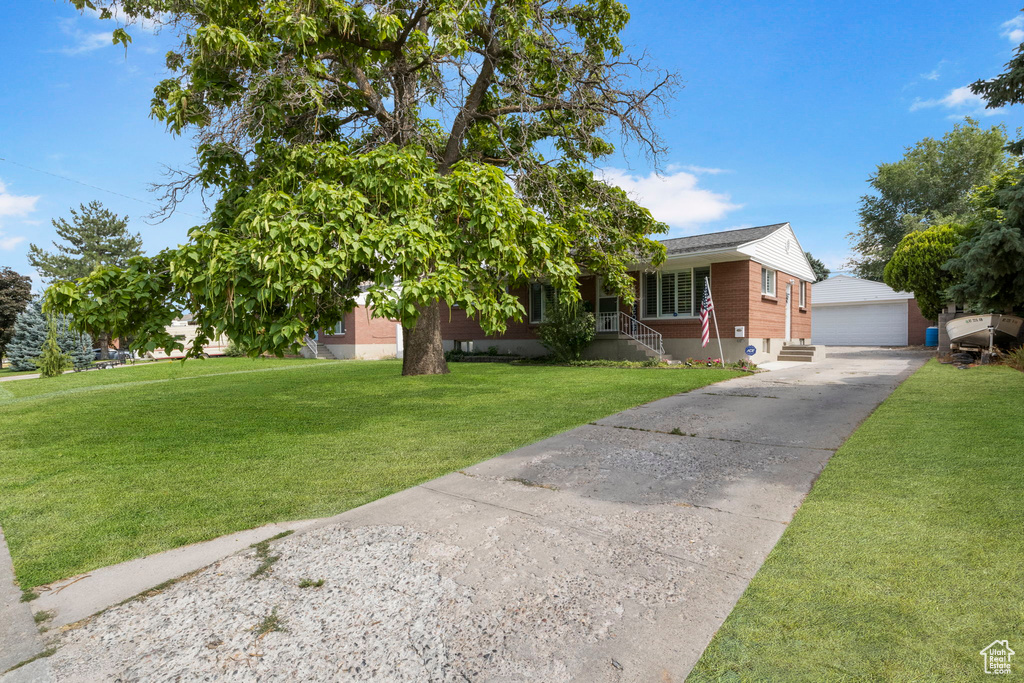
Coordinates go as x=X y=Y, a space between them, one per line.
x=803 y=294
x=767 y=282
x=339 y=329
x=542 y=299
x=674 y=293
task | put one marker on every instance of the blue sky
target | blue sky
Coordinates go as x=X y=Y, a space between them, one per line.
x=787 y=109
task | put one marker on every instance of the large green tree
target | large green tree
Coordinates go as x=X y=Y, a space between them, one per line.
x=928 y=186
x=987 y=270
x=918 y=266
x=428 y=151
x=15 y=294
x=94 y=236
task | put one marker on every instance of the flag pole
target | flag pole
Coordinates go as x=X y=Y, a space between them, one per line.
x=714 y=314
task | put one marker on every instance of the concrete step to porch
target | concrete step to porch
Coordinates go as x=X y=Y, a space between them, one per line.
x=796 y=352
x=323 y=352
x=650 y=353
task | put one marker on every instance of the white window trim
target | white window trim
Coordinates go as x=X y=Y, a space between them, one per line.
x=335 y=332
x=803 y=294
x=766 y=288
x=543 y=302
x=695 y=297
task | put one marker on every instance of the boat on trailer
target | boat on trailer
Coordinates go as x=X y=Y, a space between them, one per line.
x=984 y=330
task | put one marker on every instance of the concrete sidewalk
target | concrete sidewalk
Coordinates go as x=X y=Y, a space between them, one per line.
x=612 y=552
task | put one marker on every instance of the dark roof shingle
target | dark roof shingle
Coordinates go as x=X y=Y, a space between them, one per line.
x=718 y=240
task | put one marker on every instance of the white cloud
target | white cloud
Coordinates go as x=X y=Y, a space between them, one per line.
x=1013 y=30
x=958 y=98
x=17 y=206
x=8 y=243
x=83 y=41
x=673 y=198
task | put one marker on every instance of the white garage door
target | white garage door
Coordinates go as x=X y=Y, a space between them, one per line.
x=860 y=324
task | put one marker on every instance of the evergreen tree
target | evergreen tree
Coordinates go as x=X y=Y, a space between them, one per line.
x=29 y=335
x=31 y=331
x=15 y=293
x=77 y=345
x=52 y=360
x=95 y=236
x=821 y=272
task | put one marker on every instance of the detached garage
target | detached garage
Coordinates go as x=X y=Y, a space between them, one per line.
x=849 y=311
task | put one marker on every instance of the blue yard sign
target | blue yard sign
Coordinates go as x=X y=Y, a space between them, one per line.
x=750 y=350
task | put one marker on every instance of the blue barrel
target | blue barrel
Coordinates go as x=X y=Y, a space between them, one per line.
x=931 y=336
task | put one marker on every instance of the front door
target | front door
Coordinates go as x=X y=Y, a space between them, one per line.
x=789 y=311
x=607 y=310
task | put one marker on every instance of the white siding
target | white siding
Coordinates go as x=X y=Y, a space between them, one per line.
x=846 y=289
x=781 y=250
x=873 y=324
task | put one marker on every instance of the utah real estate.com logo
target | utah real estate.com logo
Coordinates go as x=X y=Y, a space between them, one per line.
x=997 y=657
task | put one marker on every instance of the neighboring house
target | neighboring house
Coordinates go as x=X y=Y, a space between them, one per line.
x=849 y=311
x=359 y=335
x=183 y=329
x=760 y=282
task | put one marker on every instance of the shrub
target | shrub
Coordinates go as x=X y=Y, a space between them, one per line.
x=52 y=361
x=234 y=350
x=1015 y=358
x=567 y=332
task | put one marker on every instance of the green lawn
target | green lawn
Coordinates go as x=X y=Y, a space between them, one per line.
x=907 y=557
x=100 y=467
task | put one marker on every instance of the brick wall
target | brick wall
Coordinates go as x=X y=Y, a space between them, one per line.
x=455 y=324
x=361 y=328
x=736 y=287
x=768 y=313
x=916 y=324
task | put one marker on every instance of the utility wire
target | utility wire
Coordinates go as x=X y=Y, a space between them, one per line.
x=95 y=187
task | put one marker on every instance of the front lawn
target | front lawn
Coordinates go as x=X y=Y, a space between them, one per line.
x=906 y=558
x=104 y=466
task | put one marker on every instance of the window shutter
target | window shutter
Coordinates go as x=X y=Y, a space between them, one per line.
x=650 y=295
x=684 y=286
x=535 y=303
x=549 y=300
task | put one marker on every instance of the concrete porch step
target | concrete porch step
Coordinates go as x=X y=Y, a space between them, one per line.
x=323 y=352
x=800 y=357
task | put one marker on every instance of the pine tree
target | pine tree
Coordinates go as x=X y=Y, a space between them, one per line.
x=77 y=345
x=29 y=335
x=52 y=360
x=95 y=236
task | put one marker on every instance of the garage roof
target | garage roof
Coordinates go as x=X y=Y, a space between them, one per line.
x=845 y=289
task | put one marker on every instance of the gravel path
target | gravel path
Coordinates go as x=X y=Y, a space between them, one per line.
x=386 y=611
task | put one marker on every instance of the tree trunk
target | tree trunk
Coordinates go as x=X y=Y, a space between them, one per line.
x=422 y=351
x=104 y=343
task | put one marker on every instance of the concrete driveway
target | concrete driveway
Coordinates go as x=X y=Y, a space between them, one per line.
x=612 y=552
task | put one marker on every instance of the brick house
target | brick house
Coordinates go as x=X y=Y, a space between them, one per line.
x=359 y=335
x=761 y=286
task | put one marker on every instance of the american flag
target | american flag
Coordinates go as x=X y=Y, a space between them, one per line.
x=706 y=306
